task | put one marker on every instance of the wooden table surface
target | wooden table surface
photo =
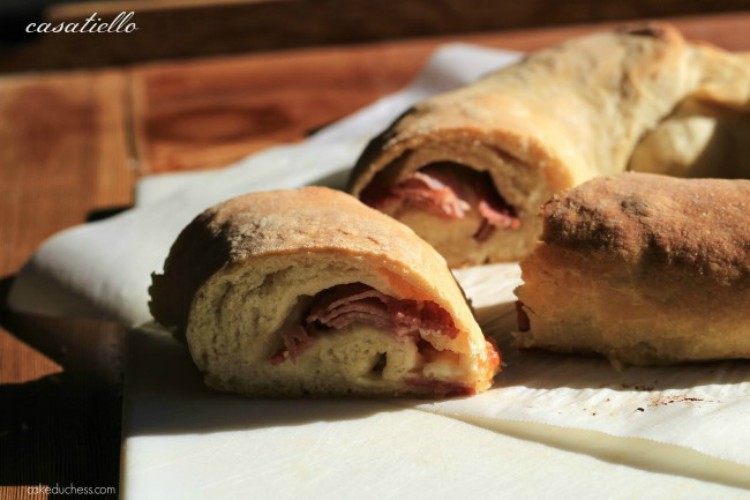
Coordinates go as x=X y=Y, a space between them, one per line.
x=72 y=146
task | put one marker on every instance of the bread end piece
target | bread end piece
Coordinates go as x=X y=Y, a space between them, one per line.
x=642 y=269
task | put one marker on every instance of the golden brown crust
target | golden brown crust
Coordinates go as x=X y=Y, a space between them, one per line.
x=312 y=219
x=548 y=108
x=559 y=117
x=642 y=268
x=696 y=228
x=199 y=251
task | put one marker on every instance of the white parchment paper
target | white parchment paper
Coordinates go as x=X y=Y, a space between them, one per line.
x=102 y=270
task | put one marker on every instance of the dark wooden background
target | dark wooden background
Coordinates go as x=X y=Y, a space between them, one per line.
x=171 y=29
x=74 y=142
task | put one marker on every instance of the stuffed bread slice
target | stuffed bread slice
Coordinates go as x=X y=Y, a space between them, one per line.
x=643 y=269
x=309 y=291
x=469 y=169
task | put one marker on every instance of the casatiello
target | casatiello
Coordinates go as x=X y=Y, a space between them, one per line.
x=469 y=169
x=310 y=292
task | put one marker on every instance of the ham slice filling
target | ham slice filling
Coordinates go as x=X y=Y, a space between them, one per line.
x=342 y=305
x=451 y=192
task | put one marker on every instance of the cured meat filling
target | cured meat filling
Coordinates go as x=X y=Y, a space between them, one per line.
x=338 y=307
x=448 y=191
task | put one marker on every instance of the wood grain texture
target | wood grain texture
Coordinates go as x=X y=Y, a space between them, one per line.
x=63 y=155
x=75 y=143
x=59 y=428
x=191 y=30
x=206 y=114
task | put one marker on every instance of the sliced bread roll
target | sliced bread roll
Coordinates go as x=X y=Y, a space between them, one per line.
x=309 y=291
x=643 y=269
